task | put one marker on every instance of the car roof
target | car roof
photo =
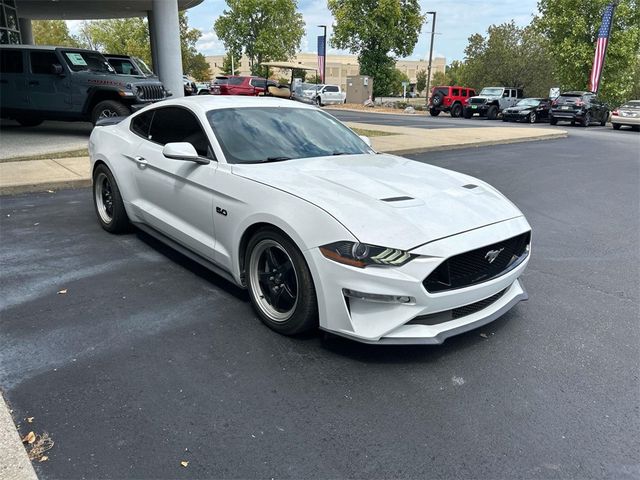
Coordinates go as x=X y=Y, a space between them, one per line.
x=204 y=103
x=116 y=55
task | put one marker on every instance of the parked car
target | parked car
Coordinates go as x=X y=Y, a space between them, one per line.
x=60 y=83
x=628 y=114
x=329 y=95
x=189 y=85
x=530 y=110
x=203 y=88
x=581 y=107
x=321 y=230
x=450 y=99
x=492 y=101
x=240 y=85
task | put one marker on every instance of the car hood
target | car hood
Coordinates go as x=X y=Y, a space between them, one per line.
x=521 y=108
x=486 y=99
x=387 y=200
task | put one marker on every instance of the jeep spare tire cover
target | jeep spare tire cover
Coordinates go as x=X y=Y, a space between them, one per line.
x=437 y=98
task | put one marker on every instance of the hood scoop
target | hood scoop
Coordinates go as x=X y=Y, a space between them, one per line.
x=397 y=199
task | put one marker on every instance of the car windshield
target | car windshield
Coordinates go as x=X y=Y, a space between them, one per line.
x=491 y=92
x=632 y=104
x=89 y=61
x=143 y=66
x=262 y=134
x=529 y=102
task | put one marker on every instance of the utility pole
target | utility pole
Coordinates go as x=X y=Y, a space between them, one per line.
x=324 y=63
x=433 y=32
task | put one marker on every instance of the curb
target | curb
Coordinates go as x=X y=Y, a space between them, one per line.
x=43 y=187
x=14 y=461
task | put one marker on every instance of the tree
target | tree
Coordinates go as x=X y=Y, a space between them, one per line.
x=455 y=73
x=421 y=81
x=395 y=85
x=440 y=78
x=314 y=78
x=125 y=36
x=299 y=73
x=571 y=26
x=228 y=65
x=263 y=30
x=377 y=31
x=53 y=32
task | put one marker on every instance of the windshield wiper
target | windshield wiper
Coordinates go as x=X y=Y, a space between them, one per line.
x=276 y=159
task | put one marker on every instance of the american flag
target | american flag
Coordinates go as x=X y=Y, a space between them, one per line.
x=321 y=57
x=601 y=47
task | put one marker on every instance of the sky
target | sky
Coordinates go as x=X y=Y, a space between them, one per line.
x=455 y=22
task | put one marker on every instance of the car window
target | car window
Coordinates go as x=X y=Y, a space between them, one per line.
x=331 y=88
x=235 y=81
x=141 y=123
x=174 y=124
x=41 y=62
x=455 y=92
x=84 y=60
x=520 y=93
x=256 y=134
x=123 y=66
x=505 y=94
x=11 y=61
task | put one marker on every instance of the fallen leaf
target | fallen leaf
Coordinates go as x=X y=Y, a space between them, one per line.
x=62 y=292
x=43 y=458
x=184 y=463
x=29 y=438
x=30 y=419
x=484 y=335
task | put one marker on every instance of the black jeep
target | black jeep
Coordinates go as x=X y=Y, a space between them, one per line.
x=58 y=83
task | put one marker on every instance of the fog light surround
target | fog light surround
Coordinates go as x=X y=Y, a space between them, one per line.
x=379 y=298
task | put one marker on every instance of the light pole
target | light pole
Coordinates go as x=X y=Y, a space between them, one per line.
x=433 y=32
x=324 y=53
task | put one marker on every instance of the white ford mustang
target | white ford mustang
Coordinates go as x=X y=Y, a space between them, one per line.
x=283 y=199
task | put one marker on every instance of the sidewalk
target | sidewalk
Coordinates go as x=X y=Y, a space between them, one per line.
x=42 y=175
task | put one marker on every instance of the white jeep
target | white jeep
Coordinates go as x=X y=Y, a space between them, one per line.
x=492 y=101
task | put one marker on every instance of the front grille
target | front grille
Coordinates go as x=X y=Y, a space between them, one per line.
x=150 y=92
x=441 y=317
x=471 y=268
x=477 y=101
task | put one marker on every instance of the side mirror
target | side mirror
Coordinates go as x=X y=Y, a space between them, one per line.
x=183 y=151
x=365 y=139
x=57 y=69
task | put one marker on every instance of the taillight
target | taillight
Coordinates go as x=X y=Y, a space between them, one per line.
x=615 y=112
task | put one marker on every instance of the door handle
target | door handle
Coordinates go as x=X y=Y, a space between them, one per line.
x=33 y=82
x=141 y=161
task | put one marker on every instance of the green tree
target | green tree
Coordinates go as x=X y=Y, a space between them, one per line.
x=53 y=32
x=314 y=78
x=228 y=65
x=124 y=36
x=571 y=26
x=299 y=73
x=378 y=32
x=263 y=30
x=440 y=78
x=421 y=81
x=455 y=73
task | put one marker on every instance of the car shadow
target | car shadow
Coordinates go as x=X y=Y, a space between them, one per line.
x=49 y=127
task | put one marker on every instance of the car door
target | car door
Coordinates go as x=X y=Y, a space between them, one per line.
x=13 y=81
x=175 y=196
x=48 y=91
x=331 y=94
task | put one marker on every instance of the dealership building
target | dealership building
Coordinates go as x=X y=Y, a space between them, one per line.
x=164 y=28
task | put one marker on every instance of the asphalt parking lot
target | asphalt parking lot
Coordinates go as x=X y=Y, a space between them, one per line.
x=148 y=359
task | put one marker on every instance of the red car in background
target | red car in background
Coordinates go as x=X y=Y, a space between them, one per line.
x=450 y=99
x=239 y=85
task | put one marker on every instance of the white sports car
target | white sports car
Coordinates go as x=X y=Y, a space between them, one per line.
x=283 y=199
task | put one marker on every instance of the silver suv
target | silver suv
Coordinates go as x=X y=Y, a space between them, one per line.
x=58 y=83
x=492 y=101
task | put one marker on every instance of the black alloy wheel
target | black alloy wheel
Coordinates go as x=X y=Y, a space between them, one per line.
x=456 y=110
x=107 y=201
x=533 y=118
x=586 y=120
x=434 y=112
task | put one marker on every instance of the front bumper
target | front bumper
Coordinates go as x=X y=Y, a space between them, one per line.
x=516 y=116
x=479 y=109
x=389 y=323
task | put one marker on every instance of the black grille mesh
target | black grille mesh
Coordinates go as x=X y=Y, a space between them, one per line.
x=473 y=267
x=150 y=92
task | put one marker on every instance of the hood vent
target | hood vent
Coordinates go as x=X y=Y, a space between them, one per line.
x=470 y=186
x=397 y=199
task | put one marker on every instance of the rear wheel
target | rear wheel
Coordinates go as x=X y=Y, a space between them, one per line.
x=319 y=101
x=616 y=126
x=108 y=202
x=553 y=121
x=605 y=117
x=492 y=113
x=108 y=109
x=586 y=120
x=280 y=284
x=29 y=121
x=434 y=112
x=456 y=110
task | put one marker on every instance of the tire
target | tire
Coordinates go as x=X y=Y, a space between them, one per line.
x=616 y=126
x=286 y=300
x=492 y=113
x=635 y=128
x=533 y=118
x=29 y=121
x=586 y=120
x=437 y=99
x=605 y=117
x=109 y=108
x=456 y=110
x=204 y=92
x=319 y=102
x=467 y=113
x=434 y=112
x=553 y=121
x=107 y=201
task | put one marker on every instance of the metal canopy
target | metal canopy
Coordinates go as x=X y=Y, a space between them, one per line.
x=89 y=9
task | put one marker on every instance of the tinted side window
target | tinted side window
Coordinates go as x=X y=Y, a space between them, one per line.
x=331 y=88
x=235 y=81
x=41 y=62
x=141 y=123
x=455 y=92
x=172 y=124
x=11 y=61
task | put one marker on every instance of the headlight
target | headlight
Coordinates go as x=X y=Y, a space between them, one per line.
x=361 y=254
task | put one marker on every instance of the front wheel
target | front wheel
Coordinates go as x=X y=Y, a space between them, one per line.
x=108 y=202
x=466 y=113
x=616 y=126
x=605 y=117
x=533 y=118
x=553 y=121
x=492 y=113
x=108 y=109
x=280 y=284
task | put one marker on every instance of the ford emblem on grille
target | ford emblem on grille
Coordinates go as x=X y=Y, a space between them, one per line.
x=491 y=255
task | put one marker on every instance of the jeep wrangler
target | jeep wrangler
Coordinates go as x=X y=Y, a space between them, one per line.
x=492 y=101
x=57 y=83
x=449 y=99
